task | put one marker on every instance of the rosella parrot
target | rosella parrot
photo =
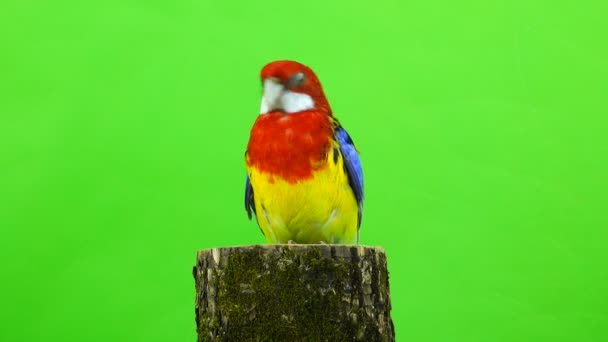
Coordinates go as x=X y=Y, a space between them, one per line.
x=304 y=178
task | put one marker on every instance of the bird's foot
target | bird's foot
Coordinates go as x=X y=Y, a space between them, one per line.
x=291 y=242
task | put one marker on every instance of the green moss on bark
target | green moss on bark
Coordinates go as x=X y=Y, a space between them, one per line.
x=291 y=294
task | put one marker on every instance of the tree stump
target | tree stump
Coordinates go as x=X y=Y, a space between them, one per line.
x=293 y=293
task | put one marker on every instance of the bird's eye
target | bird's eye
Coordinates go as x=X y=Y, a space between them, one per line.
x=296 y=80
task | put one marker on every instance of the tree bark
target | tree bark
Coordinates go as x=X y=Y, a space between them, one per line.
x=293 y=293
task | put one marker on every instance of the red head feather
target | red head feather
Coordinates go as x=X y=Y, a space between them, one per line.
x=287 y=73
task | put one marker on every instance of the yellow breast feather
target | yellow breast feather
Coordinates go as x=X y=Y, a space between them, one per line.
x=318 y=209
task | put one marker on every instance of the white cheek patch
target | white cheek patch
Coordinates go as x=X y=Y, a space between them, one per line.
x=296 y=102
x=277 y=98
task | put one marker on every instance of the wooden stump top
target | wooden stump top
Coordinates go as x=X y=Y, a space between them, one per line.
x=293 y=292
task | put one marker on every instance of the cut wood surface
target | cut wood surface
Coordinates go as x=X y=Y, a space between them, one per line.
x=293 y=293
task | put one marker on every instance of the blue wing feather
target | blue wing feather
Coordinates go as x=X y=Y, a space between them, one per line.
x=249 y=204
x=352 y=166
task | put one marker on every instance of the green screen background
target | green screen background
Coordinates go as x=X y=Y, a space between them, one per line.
x=481 y=127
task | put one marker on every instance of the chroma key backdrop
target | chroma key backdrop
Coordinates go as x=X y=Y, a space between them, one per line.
x=481 y=127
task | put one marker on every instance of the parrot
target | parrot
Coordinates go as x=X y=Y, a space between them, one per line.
x=304 y=180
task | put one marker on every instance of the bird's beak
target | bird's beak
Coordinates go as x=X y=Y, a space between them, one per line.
x=271 y=99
